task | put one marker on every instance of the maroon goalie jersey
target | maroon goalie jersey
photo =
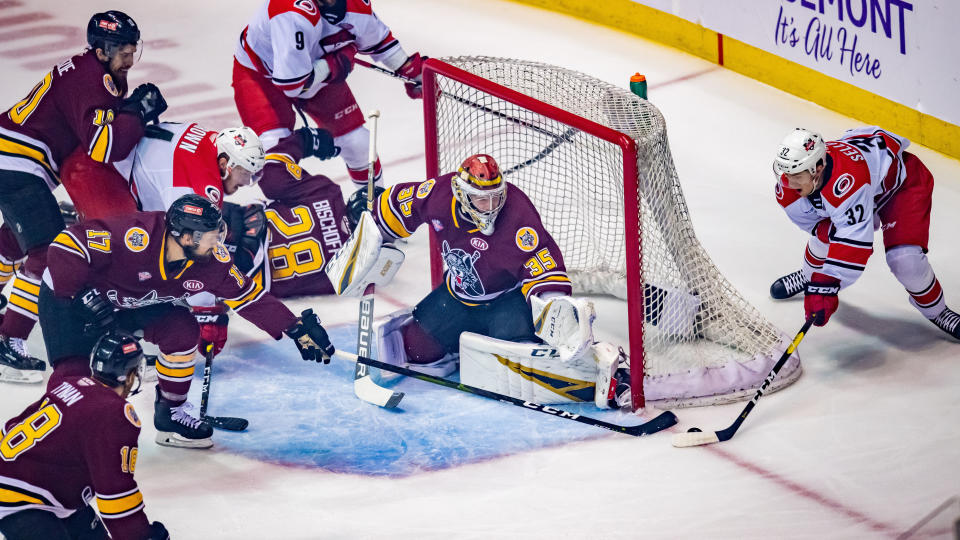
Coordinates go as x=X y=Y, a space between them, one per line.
x=76 y=104
x=519 y=254
x=307 y=224
x=76 y=444
x=123 y=257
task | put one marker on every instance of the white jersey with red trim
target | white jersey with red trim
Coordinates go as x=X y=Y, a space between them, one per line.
x=285 y=37
x=173 y=160
x=864 y=170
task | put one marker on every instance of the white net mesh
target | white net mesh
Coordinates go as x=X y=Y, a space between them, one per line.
x=703 y=343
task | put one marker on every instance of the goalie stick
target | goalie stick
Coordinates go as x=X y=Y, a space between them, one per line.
x=363 y=385
x=229 y=423
x=557 y=139
x=662 y=421
x=697 y=437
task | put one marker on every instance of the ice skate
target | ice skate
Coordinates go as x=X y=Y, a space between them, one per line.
x=177 y=428
x=16 y=365
x=949 y=322
x=788 y=286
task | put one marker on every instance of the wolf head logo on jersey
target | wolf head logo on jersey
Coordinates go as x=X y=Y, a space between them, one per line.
x=461 y=265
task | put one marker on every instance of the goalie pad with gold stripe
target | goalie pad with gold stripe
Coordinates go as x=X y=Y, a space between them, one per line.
x=535 y=372
x=363 y=260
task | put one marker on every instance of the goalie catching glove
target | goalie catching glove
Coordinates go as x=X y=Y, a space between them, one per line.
x=311 y=338
x=565 y=323
x=363 y=260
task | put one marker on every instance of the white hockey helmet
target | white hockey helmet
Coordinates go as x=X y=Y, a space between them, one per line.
x=800 y=150
x=480 y=189
x=242 y=148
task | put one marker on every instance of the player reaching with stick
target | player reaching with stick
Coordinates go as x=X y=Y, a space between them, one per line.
x=841 y=192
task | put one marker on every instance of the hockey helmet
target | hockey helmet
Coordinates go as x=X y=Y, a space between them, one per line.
x=242 y=147
x=114 y=356
x=333 y=11
x=480 y=189
x=357 y=204
x=111 y=30
x=801 y=150
x=196 y=215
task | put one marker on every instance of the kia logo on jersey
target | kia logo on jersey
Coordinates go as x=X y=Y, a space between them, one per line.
x=192 y=285
x=843 y=185
x=479 y=243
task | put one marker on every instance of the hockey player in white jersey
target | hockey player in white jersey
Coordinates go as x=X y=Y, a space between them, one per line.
x=298 y=53
x=841 y=192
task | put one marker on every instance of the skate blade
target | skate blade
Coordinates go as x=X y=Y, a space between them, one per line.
x=175 y=440
x=20 y=376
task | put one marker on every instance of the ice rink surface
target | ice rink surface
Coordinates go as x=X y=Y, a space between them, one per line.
x=864 y=445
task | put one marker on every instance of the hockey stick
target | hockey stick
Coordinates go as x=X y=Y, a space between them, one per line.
x=557 y=139
x=229 y=423
x=659 y=423
x=363 y=385
x=696 y=437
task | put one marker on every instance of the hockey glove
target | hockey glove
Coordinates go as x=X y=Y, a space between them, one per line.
x=413 y=69
x=311 y=338
x=318 y=143
x=213 y=326
x=821 y=299
x=146 y=102
x=96 y=311
x=340 y=63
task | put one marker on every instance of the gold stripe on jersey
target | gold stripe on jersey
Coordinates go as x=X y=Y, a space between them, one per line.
x=66 y=241
x=116 y=506
x=10 y=497
x=453 y=212
x=525 y=289
x=15 y=148
x=163 y=269
x=100 y=145
x=292 y=167
x=458 y=298
x=252 y=296
x=390 y=218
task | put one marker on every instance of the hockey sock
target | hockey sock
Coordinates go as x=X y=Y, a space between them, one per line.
x=174 y=374
x=22 y=312
x=420 y=346
x=359 y=176
x=910 y=266
x=814 y=257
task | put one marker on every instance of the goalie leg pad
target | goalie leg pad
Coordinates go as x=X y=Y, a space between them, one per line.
x=528 y=371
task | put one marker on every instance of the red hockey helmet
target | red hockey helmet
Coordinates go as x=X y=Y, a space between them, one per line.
x=480 y=189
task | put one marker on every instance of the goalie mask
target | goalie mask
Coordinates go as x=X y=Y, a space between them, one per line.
x=801 y=150
x=241 y=147
x=481 y=191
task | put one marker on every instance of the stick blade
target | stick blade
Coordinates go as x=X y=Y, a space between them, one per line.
x=695 y=438
x=228 y=423
x=371 y=392
x=660 y=422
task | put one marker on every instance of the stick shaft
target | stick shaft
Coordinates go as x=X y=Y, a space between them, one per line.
x=207 y=369
x=663 y=421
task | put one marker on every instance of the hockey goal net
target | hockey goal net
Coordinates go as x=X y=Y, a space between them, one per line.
x=595 y=161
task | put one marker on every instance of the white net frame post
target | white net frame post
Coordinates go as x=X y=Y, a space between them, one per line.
x=595 y=160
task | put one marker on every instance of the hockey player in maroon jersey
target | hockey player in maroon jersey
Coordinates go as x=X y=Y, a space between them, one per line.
x=286 y=244
x=78 y=105
x=298 y=53
x=135 y=272
x=505 y=284
x=841 y=192
x=78 y=443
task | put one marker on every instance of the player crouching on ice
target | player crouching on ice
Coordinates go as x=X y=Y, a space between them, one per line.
x=505 y=292
x=842 y=191
x=134 y=272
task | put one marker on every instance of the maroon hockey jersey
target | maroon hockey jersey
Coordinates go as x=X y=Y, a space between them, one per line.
x=307 y=223
x=123 y=257
x=519 y=253
x=77 y=443
x=76 y=104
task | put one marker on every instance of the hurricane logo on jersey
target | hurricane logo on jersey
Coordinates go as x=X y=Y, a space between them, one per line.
x=843 y=185
x=462 y=269
x=527 y=239
x=213 y=194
